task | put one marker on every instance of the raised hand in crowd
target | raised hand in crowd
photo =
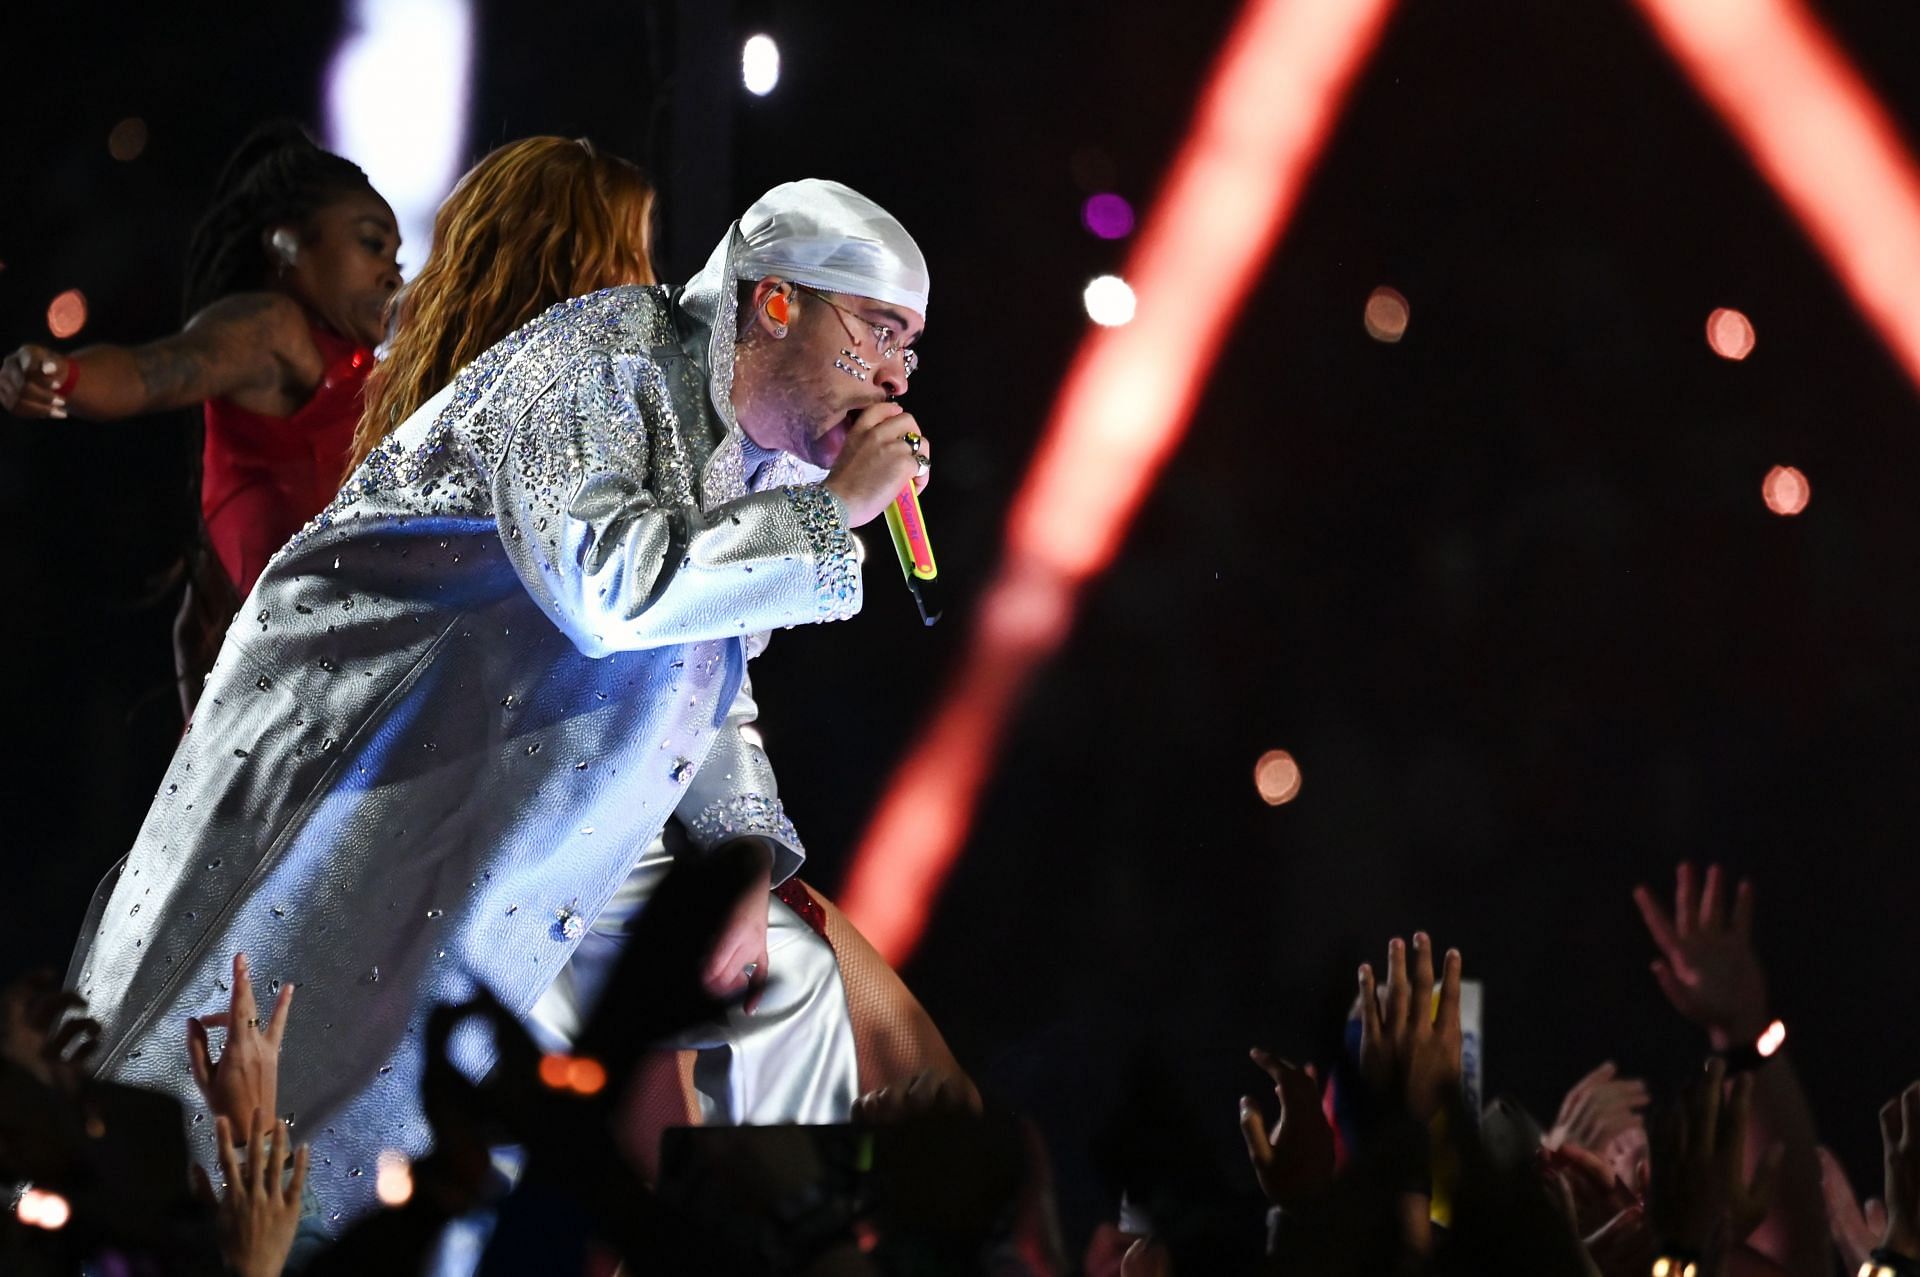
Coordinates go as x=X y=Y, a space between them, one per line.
x=1146 y=1258
x=1707 y=965
x=1409 y=1046
x=1857 y=1226
x=1709 y=970
x=260 y=1210
x=1409 y=1068
x=455 y=1176
x=246 y=1076
x=1594 y=1195
x=34 y=1036
x=42 y=1137
x=1294 y=1161
x=1702 y=1200
x=1900 y=1146
x=1623 y=1246
x=1600 y=1109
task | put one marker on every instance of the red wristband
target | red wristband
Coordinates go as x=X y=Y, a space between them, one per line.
x=71 y=380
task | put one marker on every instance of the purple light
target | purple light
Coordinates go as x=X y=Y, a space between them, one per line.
x=1108 y=216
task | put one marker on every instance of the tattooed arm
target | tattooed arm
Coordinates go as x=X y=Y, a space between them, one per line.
x=251 y=347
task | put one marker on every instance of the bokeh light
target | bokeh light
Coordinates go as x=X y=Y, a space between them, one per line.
x=393 y=1178
x=1730 y=333
x=581 y=1074
x=1109 y=301
x=1784 y=86
x=760 y=65
x=1107 y=215
x=1387 y=314
x=586 y=1075
x=1772 y=1040
x=1277 y=777
x=42 y=1209
x=67 y=314
x=128 y=139
x=1785 y=490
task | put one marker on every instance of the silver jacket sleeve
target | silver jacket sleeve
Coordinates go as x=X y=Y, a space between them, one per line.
x=616 y=568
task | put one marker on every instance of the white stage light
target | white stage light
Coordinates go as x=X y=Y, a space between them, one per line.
x=43 y=1209
x=397 y=95
x=1109 y=301
x=760 y=65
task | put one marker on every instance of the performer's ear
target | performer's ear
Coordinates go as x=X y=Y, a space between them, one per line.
x=777 y=312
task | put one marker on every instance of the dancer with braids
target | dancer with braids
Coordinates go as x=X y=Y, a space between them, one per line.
x=288 y=278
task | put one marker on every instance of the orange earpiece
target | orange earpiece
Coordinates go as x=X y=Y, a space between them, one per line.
x=777 y=308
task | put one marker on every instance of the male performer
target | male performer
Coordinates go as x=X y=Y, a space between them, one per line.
x=461 y=705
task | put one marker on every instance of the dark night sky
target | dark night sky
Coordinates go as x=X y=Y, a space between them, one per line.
x=1506 y=589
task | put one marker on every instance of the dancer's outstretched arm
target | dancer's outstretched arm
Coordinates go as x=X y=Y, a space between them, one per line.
x=244 y=347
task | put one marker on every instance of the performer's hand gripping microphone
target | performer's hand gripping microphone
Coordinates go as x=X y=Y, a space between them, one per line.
x=905 y=520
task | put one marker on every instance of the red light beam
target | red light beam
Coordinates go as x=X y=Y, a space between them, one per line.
x=1817 y=133
x=1263 y=118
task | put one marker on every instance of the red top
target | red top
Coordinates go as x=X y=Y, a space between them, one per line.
x=263 y=477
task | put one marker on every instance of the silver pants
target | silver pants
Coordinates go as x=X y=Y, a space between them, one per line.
x=792 y=1060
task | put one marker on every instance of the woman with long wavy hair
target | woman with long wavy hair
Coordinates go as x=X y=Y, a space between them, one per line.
x=535 y=222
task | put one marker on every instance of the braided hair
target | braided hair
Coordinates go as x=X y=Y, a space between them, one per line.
x=276 y=176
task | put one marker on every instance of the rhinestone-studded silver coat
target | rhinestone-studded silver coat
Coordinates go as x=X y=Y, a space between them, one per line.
x=453 y=712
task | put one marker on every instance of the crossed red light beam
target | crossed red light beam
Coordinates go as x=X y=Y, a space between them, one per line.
x=1816 y=132
x=1781 y=84
x=1274 y=96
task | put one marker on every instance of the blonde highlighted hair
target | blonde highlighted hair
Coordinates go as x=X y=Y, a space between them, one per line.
x=537 y=221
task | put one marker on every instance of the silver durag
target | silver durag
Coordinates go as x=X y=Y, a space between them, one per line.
x=813 y=232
